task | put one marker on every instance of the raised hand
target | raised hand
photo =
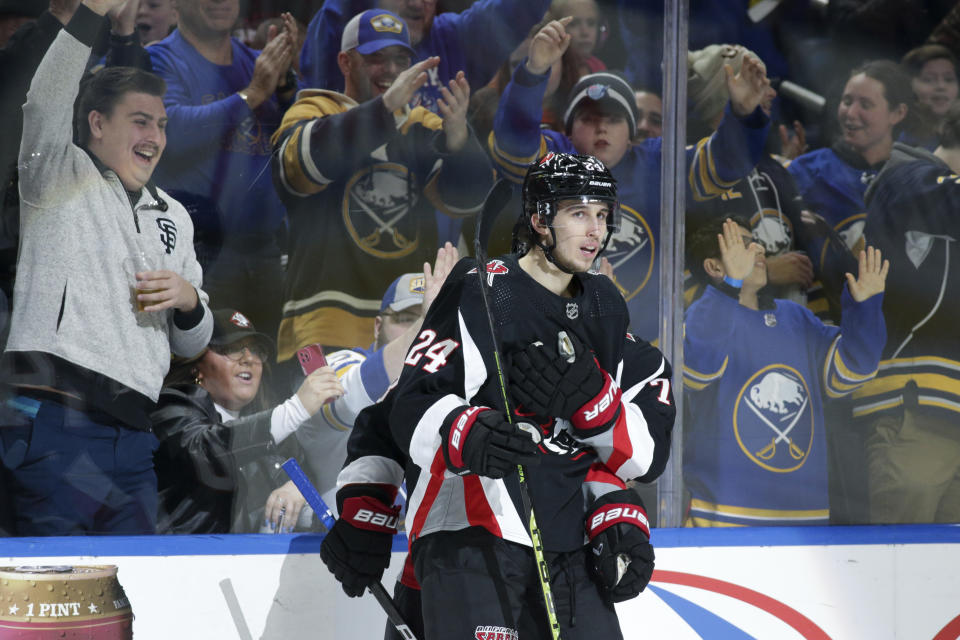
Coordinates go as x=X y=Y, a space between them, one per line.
x=795 y=145
x=433 y=279
x=269 y=68
x=318 y=388
x=548 y=46
x=737 y=257
x=872 y=276
x=103 y=7
x=407 y=83
x=453 y=108
x=123 y=18
x=746 y=89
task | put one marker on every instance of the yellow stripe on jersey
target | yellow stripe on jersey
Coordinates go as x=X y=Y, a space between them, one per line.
x=886 y=384
x=758 y=514
x=298 y=174
x=705 y=183
x=514 y=168
x=330 y=326
x=840 y=380
x=704 y=379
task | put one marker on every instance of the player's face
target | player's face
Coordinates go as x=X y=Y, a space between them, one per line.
x=208 y=17
x=936 y=85
x=650 y=123
x=601 y=131
x=232 y=378
x=418 y=14
x=580 y=228
x=130 y=139
x=369 y=76
x=391 y=324
x=866 y=118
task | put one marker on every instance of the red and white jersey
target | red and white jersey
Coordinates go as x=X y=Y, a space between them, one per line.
x=451 y=367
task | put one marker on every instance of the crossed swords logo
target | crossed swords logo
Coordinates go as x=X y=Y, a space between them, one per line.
x=397 y=211
x=780 y=435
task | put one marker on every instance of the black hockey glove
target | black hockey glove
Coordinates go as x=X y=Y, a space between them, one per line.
x=620 y=549
x=480 y=440
x=357 y=548
x=564 y=380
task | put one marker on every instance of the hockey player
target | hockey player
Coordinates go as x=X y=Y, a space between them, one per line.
x=758 y=372
x=603 y=410
x=600 y=120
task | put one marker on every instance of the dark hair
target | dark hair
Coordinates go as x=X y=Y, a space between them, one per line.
x=897 y=88
x=950 y=127
x=702 y=243
x=914 y=59
x=102 y=91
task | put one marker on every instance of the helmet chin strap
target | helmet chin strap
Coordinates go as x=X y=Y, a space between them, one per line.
x=548 y=253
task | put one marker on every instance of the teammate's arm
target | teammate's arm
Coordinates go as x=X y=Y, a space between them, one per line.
x=357 y=549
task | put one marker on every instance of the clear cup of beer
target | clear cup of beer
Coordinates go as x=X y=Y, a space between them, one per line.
x=138 y=262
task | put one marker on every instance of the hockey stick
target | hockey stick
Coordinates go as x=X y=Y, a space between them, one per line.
x=312 y=496
x=496 y=199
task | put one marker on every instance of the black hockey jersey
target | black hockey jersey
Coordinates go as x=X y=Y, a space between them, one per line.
x=912 y=218
x=451 y=366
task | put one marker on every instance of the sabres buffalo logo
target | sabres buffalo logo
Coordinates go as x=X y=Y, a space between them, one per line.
x=773 y=419
x=772 y=230
x=377 y=203
x=631 y=252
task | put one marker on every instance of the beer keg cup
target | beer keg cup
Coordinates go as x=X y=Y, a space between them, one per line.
x=63 y=603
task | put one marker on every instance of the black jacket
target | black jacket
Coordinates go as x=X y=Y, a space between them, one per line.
x=213 y=477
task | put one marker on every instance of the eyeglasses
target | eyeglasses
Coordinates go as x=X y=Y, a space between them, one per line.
x=401 y=317
x=235 y=352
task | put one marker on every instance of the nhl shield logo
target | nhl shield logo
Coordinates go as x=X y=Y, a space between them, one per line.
x=573 y=310
x=773 y=419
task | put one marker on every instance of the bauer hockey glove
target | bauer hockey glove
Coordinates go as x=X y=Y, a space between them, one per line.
x=357 y=548
x=620 y=550
x=564 y=380
x=480 y=440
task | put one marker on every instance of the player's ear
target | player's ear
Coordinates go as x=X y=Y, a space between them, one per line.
x=538 y=223
x=714 y=268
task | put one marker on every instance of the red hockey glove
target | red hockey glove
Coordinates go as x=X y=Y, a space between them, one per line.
x=564 y=380
x=621 y=553
x=357 y=548
x=480 y=440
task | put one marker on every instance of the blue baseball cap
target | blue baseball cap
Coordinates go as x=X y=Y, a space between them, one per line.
x=404 y=292
x=373 y=30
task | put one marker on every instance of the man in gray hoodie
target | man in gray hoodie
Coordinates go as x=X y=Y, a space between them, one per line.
x=89 y=345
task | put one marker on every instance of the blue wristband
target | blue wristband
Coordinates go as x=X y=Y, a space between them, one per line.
x=733 y=282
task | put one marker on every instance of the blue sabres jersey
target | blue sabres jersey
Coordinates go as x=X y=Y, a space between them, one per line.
x=714 y=165
x=833 y=187
x=755 y=449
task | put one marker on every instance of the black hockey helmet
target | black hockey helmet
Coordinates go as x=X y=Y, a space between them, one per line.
x=564 y=176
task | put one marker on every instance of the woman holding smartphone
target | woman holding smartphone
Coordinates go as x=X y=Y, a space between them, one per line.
x=222 y=441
